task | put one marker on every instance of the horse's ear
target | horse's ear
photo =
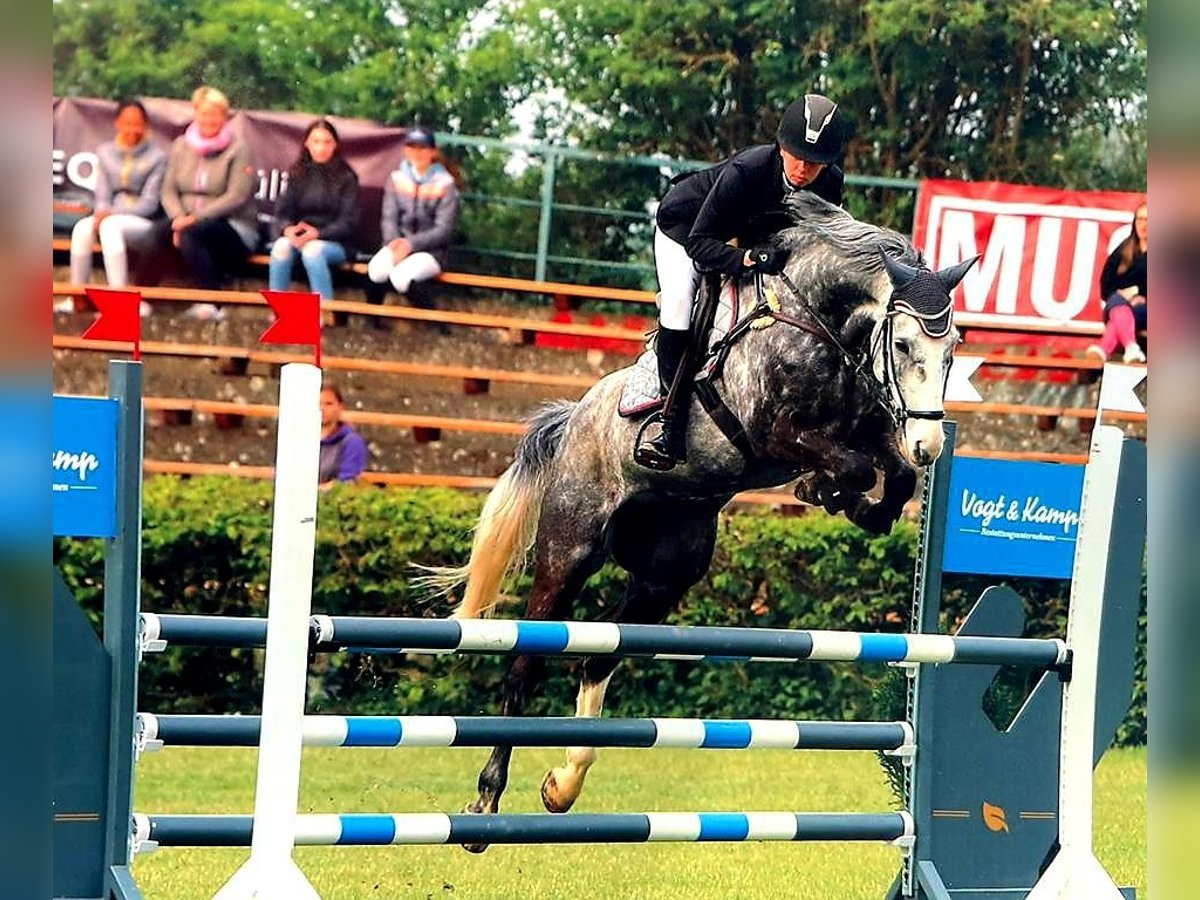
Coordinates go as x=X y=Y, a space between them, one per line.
x=899 y=273
x=952 y=276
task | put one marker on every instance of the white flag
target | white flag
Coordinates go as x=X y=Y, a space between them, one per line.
x=1116 y=388
x=958 y=386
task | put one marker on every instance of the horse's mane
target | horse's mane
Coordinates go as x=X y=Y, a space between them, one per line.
x=856 y=243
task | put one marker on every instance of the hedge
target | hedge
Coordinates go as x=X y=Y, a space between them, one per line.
x=206 y=549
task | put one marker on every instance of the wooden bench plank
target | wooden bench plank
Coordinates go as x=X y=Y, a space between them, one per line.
x=446 y=317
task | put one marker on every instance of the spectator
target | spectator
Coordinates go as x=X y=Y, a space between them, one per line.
x=420 y=211
x=129 y=177
x=1123 y=293
x=343 y=450
x=317 y=214
x=208 y=193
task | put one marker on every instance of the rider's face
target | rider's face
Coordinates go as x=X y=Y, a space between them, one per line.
x=799 y=173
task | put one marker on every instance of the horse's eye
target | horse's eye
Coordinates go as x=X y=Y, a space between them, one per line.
x=904 y=348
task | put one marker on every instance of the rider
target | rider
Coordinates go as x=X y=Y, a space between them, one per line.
x=705 y=209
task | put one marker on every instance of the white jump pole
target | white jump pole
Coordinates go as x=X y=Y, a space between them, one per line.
x=271 y=873
x=1075 y=872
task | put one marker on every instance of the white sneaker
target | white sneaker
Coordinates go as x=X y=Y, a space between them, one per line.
x=1134 y=354
x=205 y=312
x=64 y=304
x=145 y=309
x=1097 y=351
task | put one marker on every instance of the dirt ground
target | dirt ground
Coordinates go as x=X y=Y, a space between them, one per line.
x=394 y=449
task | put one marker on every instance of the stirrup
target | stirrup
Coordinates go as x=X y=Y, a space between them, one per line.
x=653 y=453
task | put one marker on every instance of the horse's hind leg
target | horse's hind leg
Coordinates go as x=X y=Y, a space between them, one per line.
x=661 y=569
x=563 y=563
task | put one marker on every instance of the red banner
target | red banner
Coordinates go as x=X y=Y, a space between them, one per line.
x=1040 y=249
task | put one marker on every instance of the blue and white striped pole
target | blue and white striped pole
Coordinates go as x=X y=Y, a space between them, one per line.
x=533 y=731
x=693 y=642
x=363 y=829
x=271 y=872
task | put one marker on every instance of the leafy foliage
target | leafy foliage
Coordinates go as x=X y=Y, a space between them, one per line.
x=1024 y=91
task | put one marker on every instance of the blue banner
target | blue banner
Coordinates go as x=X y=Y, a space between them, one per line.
x=84 y=465
x=1013 y=518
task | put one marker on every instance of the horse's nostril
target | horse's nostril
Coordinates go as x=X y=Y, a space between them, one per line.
x=922 y=455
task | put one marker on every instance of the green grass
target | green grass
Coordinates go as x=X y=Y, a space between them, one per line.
x=222 y=781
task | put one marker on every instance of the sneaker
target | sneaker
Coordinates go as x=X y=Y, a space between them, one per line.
x=1134 y=354
x=205 y=312
x=145 y=309
x=64 y=304
x=1097 y=351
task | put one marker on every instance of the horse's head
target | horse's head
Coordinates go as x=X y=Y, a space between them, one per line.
x=912 y=351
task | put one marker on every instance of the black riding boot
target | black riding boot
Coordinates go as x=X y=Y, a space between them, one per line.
x=668 y=447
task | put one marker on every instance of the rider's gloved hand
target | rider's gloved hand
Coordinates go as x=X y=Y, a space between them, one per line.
x=769 y=258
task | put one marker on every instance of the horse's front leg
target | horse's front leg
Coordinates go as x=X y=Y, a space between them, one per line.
x=899 y=486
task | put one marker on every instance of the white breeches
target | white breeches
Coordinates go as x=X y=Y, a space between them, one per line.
x=419 y=266
x=678 y=282
x=117 y=231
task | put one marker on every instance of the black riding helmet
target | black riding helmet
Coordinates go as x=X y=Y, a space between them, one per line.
x=814 y=129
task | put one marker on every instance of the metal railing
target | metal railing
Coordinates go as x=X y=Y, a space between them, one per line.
x=549 y=209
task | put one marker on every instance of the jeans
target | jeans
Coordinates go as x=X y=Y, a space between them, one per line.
x=318 y=256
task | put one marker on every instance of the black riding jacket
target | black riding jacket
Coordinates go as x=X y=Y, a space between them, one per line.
x=705 y=209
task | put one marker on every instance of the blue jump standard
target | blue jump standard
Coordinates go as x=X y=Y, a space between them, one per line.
x=365 y=634
x=547 y=731
x=530 y=828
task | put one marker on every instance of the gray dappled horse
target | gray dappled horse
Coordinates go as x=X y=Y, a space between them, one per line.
x=840 y=409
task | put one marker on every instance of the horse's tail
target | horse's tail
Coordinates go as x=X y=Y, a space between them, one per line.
x=508 y=523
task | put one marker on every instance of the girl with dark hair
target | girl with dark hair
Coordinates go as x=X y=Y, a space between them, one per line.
x=1123 y=292
x=129 y=176
x=316 y=216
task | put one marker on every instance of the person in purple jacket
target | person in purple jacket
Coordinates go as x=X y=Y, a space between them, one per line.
x=343 y=450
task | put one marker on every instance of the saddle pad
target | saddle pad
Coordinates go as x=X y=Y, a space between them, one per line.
x=641 y=394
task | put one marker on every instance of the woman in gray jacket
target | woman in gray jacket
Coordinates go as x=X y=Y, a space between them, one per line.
x=208 y=194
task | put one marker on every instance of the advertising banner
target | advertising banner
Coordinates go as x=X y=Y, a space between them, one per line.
x=1041 y=249
x=84 y=467
x=1013 y=518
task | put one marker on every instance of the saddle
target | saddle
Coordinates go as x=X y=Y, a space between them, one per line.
x=717 y=301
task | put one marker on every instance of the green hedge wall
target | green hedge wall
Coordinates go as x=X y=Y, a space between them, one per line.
x=206 y=548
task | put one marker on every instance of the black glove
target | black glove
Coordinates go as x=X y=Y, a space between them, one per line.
x=769 y=258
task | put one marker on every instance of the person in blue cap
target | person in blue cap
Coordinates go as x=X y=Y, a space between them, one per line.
x=420 y=212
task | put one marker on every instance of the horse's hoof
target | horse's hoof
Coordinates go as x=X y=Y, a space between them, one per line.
x=475 y=808
x=875 y=519
x=552 y=804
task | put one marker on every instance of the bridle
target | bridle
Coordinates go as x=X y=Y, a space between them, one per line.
x=767 y=311
x=886 y=391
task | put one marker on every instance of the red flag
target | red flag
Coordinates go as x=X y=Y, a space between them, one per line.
x=297 y=319
x=118 y=318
